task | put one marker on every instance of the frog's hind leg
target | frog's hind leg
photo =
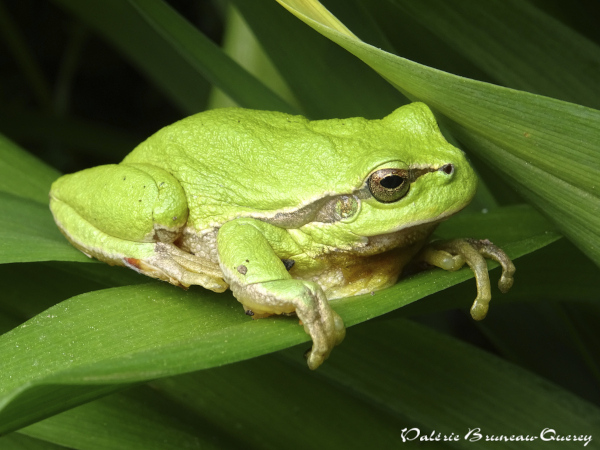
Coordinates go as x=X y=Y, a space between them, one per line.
x=169 y=263
x=131 y=215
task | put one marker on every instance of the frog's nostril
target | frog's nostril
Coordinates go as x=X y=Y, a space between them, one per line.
x=448 y=169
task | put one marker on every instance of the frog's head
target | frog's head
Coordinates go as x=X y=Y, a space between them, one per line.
x=406 y=175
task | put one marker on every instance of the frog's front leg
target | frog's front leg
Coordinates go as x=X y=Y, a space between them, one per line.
x=251 y=253
x=130 y=215
x=452 y=254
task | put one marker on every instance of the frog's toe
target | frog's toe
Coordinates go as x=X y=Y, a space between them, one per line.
x=323 y=324
x=315 y=358
x=307 y=299
x=339 y=328
x=491 y=251
x=442 y=259
x=321 y=349
x=319 y=352
x=474 y=253
x=505 y=282
x=480 y=308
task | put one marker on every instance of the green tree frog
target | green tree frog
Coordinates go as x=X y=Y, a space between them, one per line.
x=286 y=212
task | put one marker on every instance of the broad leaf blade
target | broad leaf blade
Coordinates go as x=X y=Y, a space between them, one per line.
x=24 y=175
x=49 y=283
x=325 y=412
x=222 y=402
x=137 y=419
x=516 y=44
x=552 y=338
x=367 y=393
x=451 y=387
x=16 y=441
x=28 y=233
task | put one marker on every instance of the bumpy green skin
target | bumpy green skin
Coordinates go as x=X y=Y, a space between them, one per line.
x=235 y=162
x=220 y=198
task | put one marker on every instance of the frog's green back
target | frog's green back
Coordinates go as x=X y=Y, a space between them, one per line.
x=233 y=160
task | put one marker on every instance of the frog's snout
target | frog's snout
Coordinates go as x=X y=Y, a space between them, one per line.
x=446 y=173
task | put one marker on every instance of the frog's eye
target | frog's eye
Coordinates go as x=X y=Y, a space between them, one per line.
x=389 y=185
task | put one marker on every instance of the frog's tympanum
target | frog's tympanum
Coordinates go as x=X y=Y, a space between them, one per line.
x=286 y=212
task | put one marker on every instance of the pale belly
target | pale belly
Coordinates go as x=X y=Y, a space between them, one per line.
x=368 y=269
x=362 y=270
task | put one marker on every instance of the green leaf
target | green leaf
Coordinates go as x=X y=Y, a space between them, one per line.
x=516 y=44
x=28 y=233
x=448 y=386
x=272 y=400
x=553 y=337
x=583 y=320
x=137 y=419
x=368 y=393
x=23 y=174
x=213 y=400
x=136 y=333
x=16 y=441
x=52 y=282
x=547 y=149
x=175 y=55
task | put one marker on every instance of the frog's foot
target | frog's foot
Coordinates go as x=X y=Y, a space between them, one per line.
x=159 y=260
x=307 y=299
x=170 y=263
x=451 y=255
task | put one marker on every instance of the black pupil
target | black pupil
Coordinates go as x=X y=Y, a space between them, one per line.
x=391 y=181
